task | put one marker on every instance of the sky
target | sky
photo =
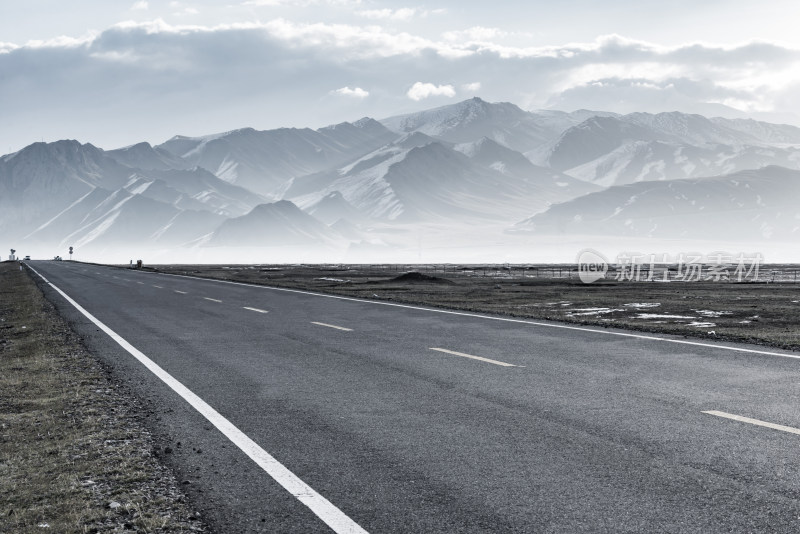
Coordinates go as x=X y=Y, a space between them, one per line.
x=114 y=73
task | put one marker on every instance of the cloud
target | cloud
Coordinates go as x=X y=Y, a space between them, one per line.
x=355 y=92
x=261 y=3
x=62 y=42
x=300 y=3
x=279 y=72
x=420 y=91
x=5 y=48
x=140 y=5
x=354 y=42
x=402 y=14
x=182 y=9
x=626 y=95
x=476 y=33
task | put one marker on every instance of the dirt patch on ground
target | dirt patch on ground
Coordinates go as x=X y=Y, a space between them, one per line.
x=74 y=455
x=764 y=313
x=415 y=277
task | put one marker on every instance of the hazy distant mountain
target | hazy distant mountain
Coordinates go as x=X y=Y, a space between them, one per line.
x=63 y=223
x=187 y=227
x=262 y=161
x=144 y=156
x=435 y=182
x=209 y=192
x=689 y=129
x=755 y=204
x=667 y=146
x=638 y=161
x=276 y=224
x=361 y=184
x=475 y=119
x=418 y=178
x=333 y=207
x=160 y=191
x=504 y=123
x=347 y=229
x=548 y=185
x=43 y=179
x=593 y=139
x=122 y=219
x=471 y=164
x=125 y=217
x=557 y=122
x=763 y=131
x=65 y=193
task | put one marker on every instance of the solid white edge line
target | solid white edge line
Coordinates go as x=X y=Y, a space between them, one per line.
x=259 y=310
x=337 y=520
x=756 y=422
x=481 y=358
x=332 y=326
x=503 y=319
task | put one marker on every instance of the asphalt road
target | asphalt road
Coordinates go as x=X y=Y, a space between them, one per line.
x=588 y=431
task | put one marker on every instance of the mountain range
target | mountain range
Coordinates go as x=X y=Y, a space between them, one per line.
x=387 y=185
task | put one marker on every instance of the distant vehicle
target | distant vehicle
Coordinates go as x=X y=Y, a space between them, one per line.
x=27 y=258
x=57 y=258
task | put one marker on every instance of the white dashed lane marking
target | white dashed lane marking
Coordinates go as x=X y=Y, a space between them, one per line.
x=487 y=360
x=756 y=422
x=332 y=326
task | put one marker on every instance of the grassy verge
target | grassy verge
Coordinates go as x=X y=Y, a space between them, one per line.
x=760 y=313
x=74 y=457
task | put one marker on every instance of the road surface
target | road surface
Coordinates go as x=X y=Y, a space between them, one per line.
x=310 y=413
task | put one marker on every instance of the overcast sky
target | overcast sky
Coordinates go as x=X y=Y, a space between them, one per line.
x=117 y=72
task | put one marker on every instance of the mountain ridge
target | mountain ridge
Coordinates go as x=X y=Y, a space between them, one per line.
x=458 y=168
